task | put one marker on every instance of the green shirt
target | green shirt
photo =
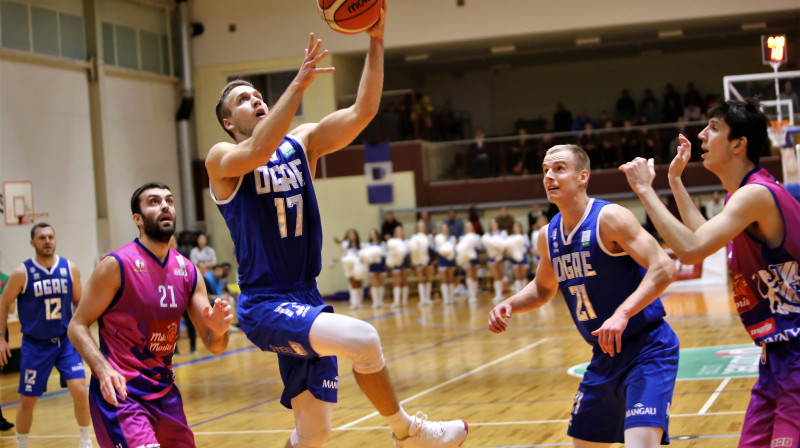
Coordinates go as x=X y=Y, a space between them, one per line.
x=3 y=281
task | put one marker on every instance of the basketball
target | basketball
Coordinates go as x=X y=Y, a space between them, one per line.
x=349 y=16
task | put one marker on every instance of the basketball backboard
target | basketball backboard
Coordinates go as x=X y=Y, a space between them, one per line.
x=18 y=200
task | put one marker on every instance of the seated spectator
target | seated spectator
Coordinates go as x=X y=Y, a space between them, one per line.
x=203 y=255
x=217 y=281
x=579 y=123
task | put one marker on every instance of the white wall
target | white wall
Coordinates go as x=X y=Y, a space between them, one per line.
x=45 y=138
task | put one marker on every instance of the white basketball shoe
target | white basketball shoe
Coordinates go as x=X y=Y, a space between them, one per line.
x=426 y=434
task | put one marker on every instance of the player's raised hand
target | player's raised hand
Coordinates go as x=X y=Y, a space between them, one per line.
x=498 y=318
x=5 y=352
x=218 y=318
x=678 y=163
x=640 y=174
x=609 y=335
x=377 y=30
x=308 y=70
x=112 y=385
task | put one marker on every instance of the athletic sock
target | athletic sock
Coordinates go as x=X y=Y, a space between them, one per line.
x=399 y=423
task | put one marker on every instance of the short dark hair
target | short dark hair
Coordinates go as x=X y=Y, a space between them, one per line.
x=223 y=265
x=136 y=207
x=745 y=119
x=222 y=109
x=40 y=225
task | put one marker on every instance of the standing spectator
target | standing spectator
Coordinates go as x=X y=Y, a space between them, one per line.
x=505 y=222
x=517 y=156
x=672 y=110
x=692 y=96
x=647 y=101
x=480 y=165
x=671 y=94
x=626 y=107
x=45 y=288
x=425 y=217
x=422 y=116
x=714 y=206
x=589 y=142
x=388 y=226
x=475 y=219
x=562 y=118
x=535 y=213
x=454 y=223
x=788 y=94
x=203 y=255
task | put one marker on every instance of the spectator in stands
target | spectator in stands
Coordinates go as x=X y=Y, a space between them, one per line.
x=789 y=94
x=518 y=153
x=388 y=226
x=217 y=281
x=671 y=94
x=692 y=96
x=647 y=100
x=454 y=223
x=422 y=115
x=579 y=123
x=425 y=217
x=203 y=255
x=609 y=147
x=651 y=114
x=714 y=206
x=562 y=118
x=533 y=215
x=475 y=219
x=629 y=141
x=589 y=142
x=672 y=110
x=480 y=165
x=626 y=107
x=505 y=222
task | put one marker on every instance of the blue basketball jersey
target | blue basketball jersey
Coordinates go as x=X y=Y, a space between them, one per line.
x=593 y=281
x=274 y=220
x=45 y=303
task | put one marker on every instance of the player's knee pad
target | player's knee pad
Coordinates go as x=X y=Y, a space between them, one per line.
x=367 y=354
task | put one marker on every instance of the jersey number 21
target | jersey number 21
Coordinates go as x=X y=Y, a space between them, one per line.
x=583 y=307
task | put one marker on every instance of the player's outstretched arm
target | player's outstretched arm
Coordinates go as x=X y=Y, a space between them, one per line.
x=534 y=295
x=228 y=160
x=10 y=293
x=749 y=204
x=100 y=290
x=621 y=231
x=339 y=128
x=690 y=215
x=212 y=323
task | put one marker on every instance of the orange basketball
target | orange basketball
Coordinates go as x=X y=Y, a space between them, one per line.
x=349 y=16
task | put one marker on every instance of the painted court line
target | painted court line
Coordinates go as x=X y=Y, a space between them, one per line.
x=714 y=396
x=450 y=381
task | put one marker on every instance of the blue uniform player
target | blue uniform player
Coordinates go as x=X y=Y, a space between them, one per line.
x=263 y=185
x=45 y=288
x=610 y=272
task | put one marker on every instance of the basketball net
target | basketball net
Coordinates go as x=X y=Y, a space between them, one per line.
x=777 y=133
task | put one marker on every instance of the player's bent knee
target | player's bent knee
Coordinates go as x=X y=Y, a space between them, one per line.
x=368 y=357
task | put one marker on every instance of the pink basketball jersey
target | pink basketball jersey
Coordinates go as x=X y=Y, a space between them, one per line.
x=139 y=330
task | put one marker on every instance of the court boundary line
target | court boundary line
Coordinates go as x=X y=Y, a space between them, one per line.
x=714 y=396
x=450 y=381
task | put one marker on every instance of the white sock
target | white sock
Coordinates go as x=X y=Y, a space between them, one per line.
x=353 y=298
x=399 y=423
x=498 y=289
x=472 y=287
x=381 y=292
x=428 y=287
x=405 y=295
x=443 y=289
x=373 y=294
x=396 y=291
x=421 y=290
x=22 y=440
x=360 y=296
x=86 y=432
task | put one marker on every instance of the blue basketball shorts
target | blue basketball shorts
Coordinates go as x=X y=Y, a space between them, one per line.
x=279 y=319
x=633 y=389
x=39 y=356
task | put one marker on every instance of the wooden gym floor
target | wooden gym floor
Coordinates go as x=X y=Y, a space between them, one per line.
x=513 y=389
